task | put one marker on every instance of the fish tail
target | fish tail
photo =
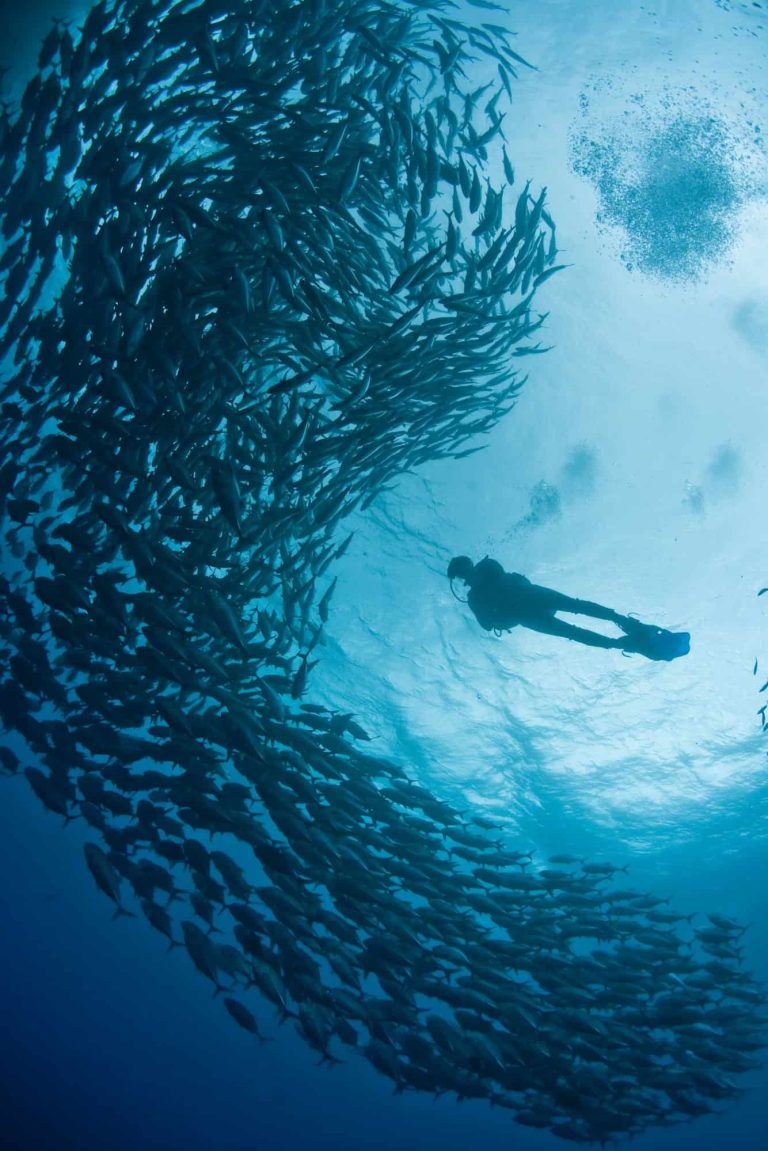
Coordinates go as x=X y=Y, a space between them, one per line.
x=121 y=911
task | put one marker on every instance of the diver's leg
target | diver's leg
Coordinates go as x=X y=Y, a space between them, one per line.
x=551 y=625
x=556 y=601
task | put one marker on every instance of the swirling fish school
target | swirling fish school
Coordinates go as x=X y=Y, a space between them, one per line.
x=256 y=268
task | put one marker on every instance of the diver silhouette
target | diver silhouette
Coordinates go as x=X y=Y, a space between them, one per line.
x=502 y=600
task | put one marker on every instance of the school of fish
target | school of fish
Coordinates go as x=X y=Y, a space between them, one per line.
x=257 y=262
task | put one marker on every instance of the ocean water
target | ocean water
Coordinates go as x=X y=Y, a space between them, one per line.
x=630 y=472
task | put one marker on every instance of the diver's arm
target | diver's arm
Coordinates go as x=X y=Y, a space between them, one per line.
x=482 y=613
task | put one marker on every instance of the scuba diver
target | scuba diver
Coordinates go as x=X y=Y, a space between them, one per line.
x=502 y=600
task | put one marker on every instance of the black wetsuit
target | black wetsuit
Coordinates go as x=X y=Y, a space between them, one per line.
x=501 y=600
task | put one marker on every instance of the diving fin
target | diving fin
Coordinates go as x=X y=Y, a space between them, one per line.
x=656 y=642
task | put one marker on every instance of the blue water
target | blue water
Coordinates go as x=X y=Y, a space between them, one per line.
x=631 y=472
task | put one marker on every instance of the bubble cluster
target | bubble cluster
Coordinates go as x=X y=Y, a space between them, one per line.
x=671 y=180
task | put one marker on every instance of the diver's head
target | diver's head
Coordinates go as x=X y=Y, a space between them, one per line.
x=461 y=567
